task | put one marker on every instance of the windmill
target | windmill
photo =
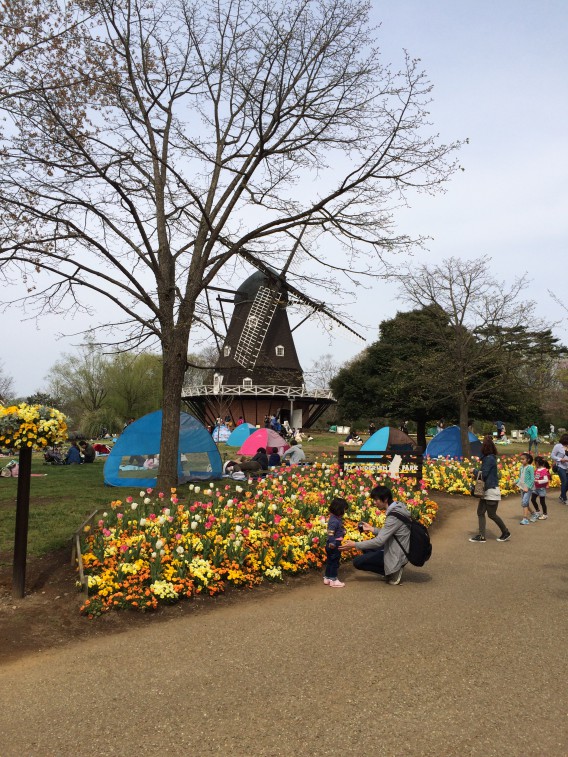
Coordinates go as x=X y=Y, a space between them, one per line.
x=258 y=372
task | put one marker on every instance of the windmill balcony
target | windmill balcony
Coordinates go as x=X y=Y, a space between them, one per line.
x=291 y=392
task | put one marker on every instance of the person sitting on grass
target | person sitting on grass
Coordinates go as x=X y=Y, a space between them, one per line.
x=274 y=458
x=385 y=553
x=88 y=451
x=295 y=455
x=74 y=455
x=262 y=458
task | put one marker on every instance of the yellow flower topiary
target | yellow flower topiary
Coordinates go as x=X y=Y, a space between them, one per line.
x=34 y=426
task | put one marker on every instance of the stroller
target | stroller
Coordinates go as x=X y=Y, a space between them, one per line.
x=53 y=457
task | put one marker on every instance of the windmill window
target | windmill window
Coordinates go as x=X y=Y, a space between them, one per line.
x=227 y=351
x=247 y=382
x=280 y=351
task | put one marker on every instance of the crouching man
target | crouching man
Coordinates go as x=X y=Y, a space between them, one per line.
x=384 y=554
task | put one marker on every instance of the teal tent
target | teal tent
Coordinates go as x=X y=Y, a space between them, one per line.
x=134 y=459
x=240 y=434
x=388 y=439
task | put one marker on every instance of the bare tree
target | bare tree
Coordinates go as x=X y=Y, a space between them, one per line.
x=6 y=385
x=484 y=325
x=193 y=133
x=321 y=372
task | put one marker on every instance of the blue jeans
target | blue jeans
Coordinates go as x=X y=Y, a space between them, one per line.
x=373 y=560
x=533 y=443
x=332 y=564
x=563 y=473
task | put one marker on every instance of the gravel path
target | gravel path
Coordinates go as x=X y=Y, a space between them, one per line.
x=466 y=657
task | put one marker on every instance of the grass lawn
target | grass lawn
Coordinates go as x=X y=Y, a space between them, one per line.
x=63 y=497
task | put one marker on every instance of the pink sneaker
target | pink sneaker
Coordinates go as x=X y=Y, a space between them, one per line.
x=326 y=580
x=336 y=584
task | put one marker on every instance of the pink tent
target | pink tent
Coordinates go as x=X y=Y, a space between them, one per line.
x=264 y=437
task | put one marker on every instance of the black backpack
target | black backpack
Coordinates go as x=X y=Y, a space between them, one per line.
x=420 y=548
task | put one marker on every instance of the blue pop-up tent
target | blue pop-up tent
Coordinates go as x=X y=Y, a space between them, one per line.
x=134 y=459
x=388 y=439
x=448 y=444
x=240 y=434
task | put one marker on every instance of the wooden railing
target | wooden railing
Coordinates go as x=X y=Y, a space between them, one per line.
x=291 y=392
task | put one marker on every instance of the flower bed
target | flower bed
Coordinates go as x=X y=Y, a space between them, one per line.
x=456 y=476
x=156 y=549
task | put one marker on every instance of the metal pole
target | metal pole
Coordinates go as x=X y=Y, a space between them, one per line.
x=22 y=514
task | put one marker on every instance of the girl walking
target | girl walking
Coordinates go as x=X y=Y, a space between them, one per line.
x=492 y=494
x=525 y=482
x=335 y=534
x=541 y=481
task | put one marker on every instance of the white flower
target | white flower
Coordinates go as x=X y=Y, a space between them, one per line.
x=238 y=489
x=159 y=544
x=197 y=489
x=133 y=505
x=274 y=508
x=162 y=552
x=193 y=525
x=238 y=528
x=105 y=515
x=180 y=550
x=191 y=487
x=154 y=555
x=166 y=511
x=147 y=500
x=142 y=494
x=197 y=518
x=142 y=521
x=230 y=502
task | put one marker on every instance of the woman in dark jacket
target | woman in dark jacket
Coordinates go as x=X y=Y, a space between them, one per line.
x=491 y=496
x=262 y=458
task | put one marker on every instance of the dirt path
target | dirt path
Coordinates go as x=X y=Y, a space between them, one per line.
x=465 y=657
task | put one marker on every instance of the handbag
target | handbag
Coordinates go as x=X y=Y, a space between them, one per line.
x=478 y=489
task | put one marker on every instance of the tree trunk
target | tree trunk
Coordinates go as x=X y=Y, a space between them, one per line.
x=464 y=422
x=174 y=366
x=421 y=432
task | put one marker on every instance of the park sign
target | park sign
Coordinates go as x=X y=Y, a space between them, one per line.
x=391 y=462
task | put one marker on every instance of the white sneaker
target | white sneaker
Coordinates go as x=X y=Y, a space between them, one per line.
x=336 y=584
x=542 y=517
x=394 y=578
x=326 y=580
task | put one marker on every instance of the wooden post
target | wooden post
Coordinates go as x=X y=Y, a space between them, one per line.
x=22 y=514
x=341 y=457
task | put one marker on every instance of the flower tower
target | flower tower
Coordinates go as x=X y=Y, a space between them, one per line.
x=25 y=428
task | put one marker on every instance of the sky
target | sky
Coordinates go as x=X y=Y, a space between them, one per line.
x=499 y=75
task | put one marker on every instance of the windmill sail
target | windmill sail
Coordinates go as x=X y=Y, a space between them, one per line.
x=254 y=331
x=318 y=307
